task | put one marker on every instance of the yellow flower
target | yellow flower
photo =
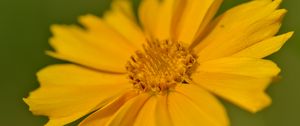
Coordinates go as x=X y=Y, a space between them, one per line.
x=165 y=72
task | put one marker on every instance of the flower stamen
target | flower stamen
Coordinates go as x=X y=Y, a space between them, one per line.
x=160 y=66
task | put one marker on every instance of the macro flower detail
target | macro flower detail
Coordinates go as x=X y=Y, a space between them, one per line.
x=160 y=67
x=164 y=68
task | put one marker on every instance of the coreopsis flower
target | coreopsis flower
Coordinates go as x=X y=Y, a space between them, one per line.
x=163 y=69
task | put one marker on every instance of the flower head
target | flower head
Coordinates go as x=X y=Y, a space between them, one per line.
x=166 y=71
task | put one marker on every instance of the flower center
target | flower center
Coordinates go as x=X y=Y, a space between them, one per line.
x=160 y=66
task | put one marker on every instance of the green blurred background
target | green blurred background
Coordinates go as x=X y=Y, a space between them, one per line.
x=24 y=32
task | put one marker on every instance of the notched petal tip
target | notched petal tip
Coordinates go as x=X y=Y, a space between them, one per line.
x=277 y=1
x=289 y=34
x=30 y=103
x=275 y=67
x=261 y=103
x=277 y=16
x=51 y=53
x=88 y=18
x=55 y=28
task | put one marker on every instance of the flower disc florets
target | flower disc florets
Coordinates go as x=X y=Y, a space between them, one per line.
x=160 y=66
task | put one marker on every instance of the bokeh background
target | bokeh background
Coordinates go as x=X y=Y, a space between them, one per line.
x=24 y=33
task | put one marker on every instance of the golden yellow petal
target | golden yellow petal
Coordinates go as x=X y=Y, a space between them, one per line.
x=154 y=112
x=156 y=18
x=211 y=108
x=240 y=66
x=265 y=48
x=147 y=114
x=162 y=113
x=194 y=18
x=103 y=115
x=239 y=80
x=123 y=6
x=121 y=18
x=164 y=20
x=127 y=114
x=235 y=30
x=207 y=23
x=68 y=92
x=193 y=106
x=106 y=52
x=148 y=11
x=244 y=91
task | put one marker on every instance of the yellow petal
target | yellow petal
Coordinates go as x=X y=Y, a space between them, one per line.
x=68 y=92
x=162 y=113
x=207 y=23
x=245 y=91
x=193 y=106
x=194 y=18
x=102 y=116
x=154 y=112
x=164 y=20
x=147 y=115
x=235 y=31
x=106 y=52
x=211 y=108
x=127 y=114
x=121 y=18
x=239 y=80
x=156 y=17
x=240 y=66
x=123 y=6
x=265 y=48
x=148 y=11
